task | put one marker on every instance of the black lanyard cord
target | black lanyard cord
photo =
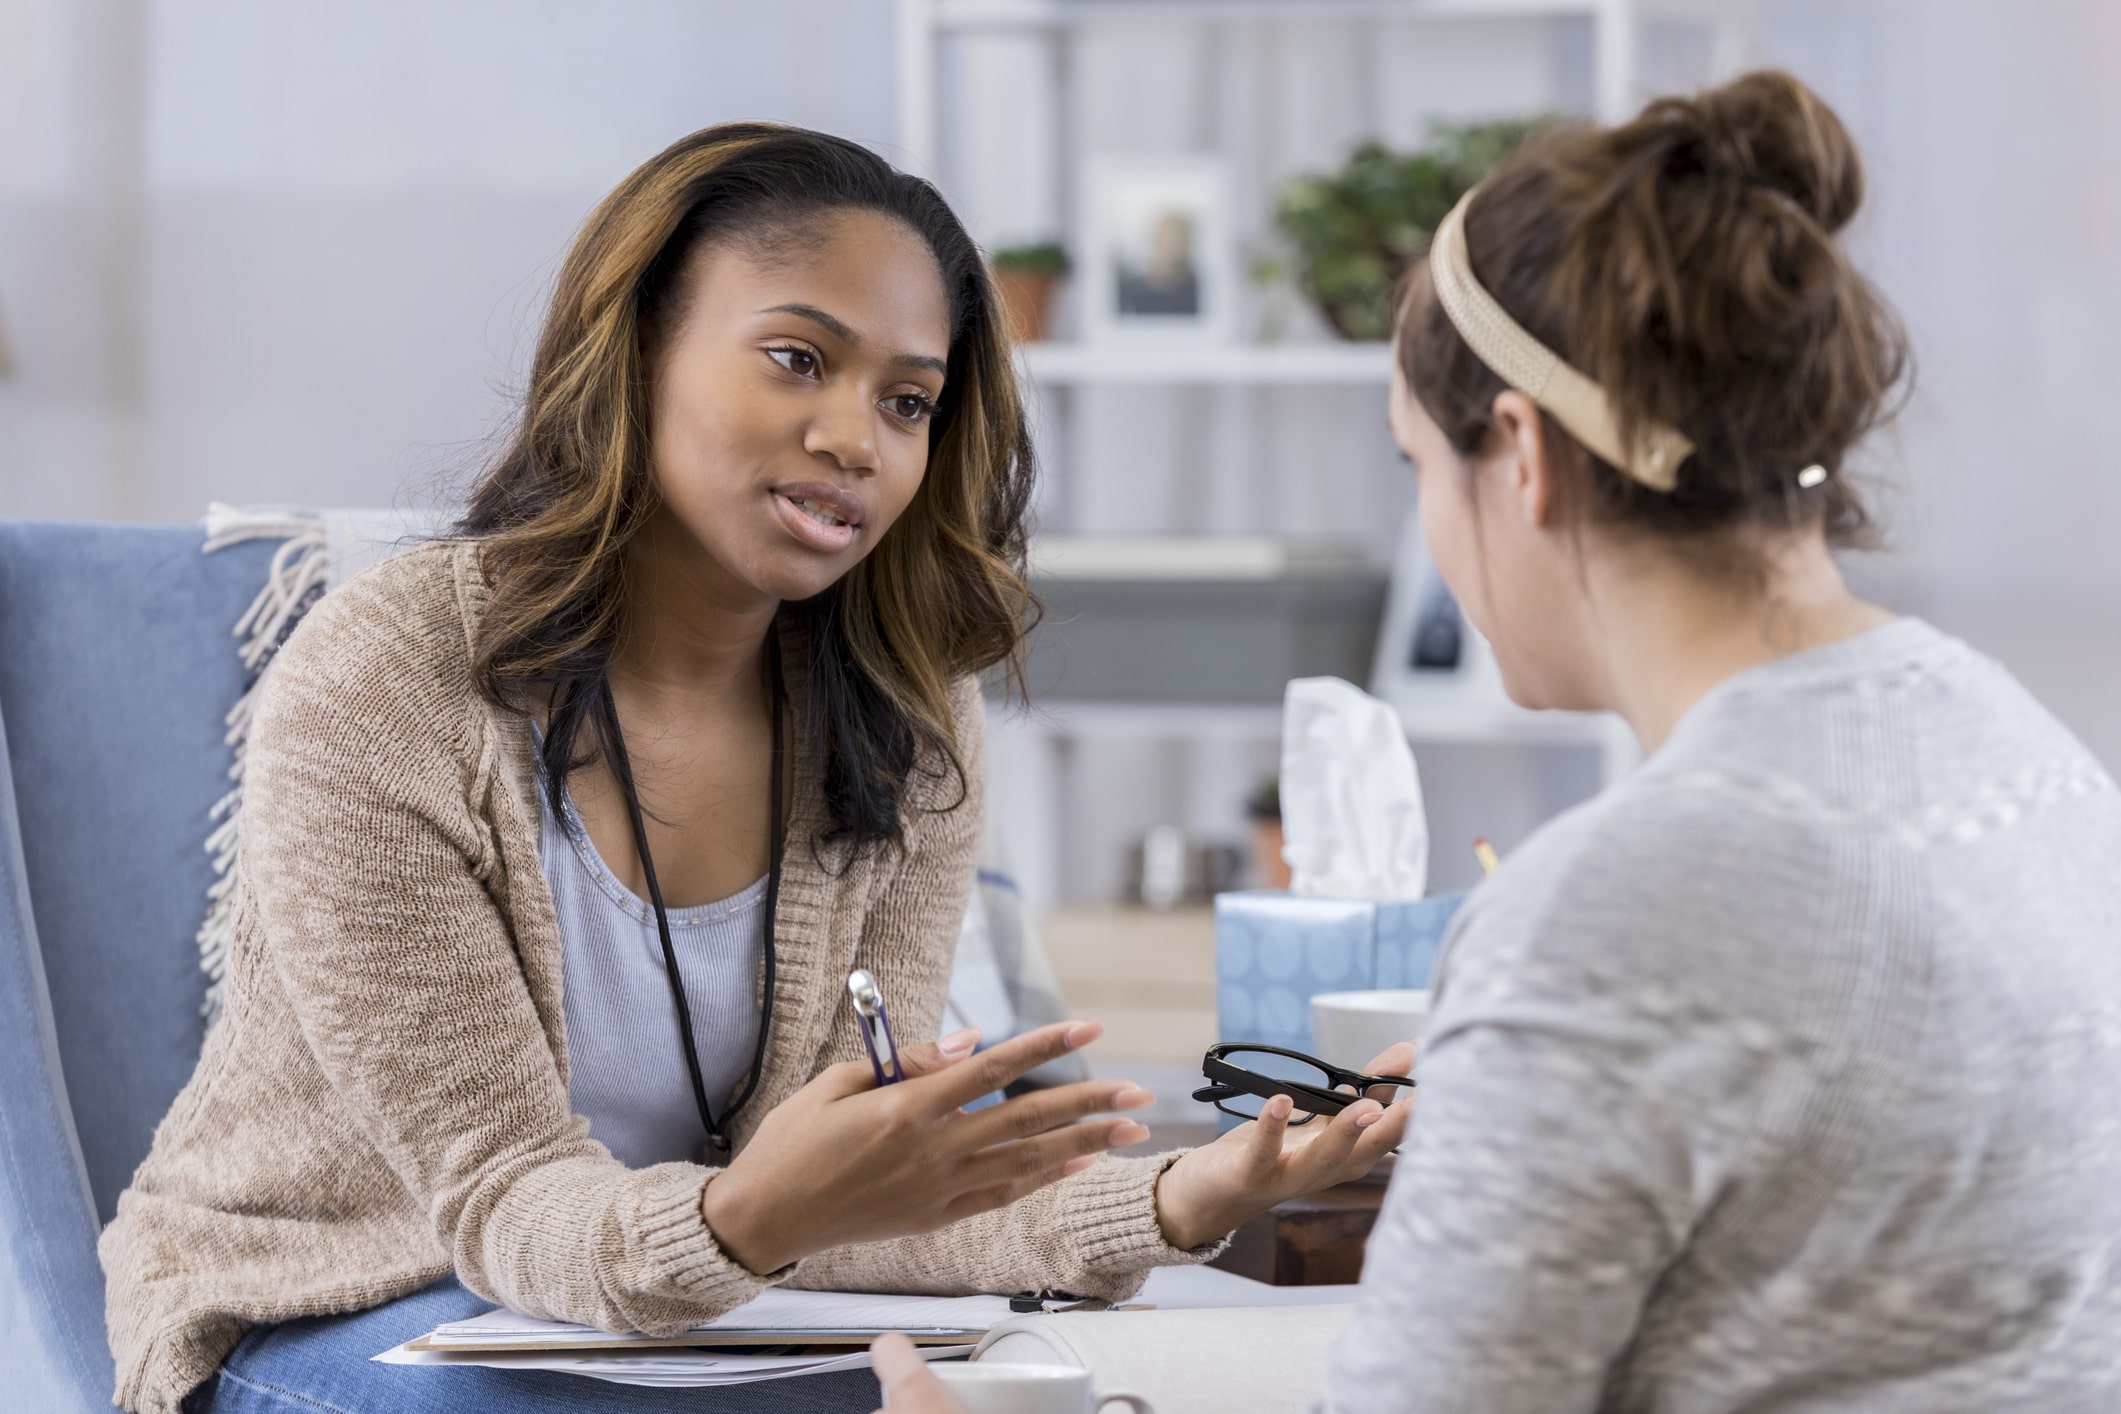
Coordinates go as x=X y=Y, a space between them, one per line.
x=622 y=769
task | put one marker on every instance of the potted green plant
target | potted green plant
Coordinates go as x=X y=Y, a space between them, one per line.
x=1263 y=810
x=1353 y=231
x=1026 y=275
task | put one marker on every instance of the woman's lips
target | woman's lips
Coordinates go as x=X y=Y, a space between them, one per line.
x=819 y=514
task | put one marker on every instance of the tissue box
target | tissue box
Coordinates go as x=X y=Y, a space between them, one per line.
x=1274 y=951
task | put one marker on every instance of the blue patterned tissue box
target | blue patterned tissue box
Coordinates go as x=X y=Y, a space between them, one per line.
x=1275 y=951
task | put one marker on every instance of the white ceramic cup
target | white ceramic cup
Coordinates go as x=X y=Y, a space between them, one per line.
x=1351 y=1029
x=990 y=1387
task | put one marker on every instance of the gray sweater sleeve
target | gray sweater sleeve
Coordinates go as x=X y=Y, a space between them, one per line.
x=1589 y=1095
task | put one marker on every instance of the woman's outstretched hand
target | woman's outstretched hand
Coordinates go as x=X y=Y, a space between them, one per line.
x=844 y=1161
x=910 y=1387
x=1211 y=1191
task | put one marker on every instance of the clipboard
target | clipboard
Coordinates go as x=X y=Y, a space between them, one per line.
x=799 y=1338
x=777 y=1317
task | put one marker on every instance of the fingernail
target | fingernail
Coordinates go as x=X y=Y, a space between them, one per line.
x=1078 y=1165
x=958 y=1043
x=1126 y=1132
x=1283 y=1106
x=1082 y=1033
x=1365 y=1121
x=1132 y=1098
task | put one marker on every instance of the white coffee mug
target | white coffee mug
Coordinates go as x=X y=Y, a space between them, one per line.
x=993 y=1387
x=1351 y=1029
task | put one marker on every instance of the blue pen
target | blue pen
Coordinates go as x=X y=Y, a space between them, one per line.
x=875 y=1024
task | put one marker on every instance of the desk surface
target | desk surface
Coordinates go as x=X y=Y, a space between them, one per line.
x=1199 y=1288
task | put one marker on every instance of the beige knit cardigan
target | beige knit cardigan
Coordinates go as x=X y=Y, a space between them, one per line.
x=384 y=1101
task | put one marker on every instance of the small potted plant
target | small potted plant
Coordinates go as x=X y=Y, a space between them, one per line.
x=1263 y=809
x=1352 y=232
x=1026 y=275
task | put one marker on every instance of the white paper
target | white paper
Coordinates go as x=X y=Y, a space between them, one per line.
x=1351 y=810
x=660 y=1368
x=774 y=1309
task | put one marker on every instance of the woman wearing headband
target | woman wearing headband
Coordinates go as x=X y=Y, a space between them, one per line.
x=1781 y=1076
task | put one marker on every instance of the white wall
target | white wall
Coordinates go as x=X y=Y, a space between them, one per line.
x=300 y=248
x=1994 y=225
x=71 y=242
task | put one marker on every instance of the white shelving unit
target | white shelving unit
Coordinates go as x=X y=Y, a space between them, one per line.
x=1204 y=364
x=1449 y=724
x=1036 y=749
x=1618 y=26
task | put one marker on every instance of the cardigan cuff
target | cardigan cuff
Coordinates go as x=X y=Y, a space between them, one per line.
x=680 y=1249
x=1111 y=1216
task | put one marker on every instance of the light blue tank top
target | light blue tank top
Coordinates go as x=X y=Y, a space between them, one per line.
x=626 y=1061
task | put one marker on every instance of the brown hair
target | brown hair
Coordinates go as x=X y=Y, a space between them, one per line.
x=1687 y=261
x=943 y=593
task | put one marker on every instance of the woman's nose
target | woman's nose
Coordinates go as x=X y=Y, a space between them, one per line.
x=844 y=429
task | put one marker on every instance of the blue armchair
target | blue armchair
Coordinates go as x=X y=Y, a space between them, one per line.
x=116 y=666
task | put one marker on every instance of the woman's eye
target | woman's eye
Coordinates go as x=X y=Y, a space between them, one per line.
x=800 y=362
x=911 y=407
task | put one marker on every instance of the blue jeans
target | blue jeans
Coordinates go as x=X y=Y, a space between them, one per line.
x=322 y=1365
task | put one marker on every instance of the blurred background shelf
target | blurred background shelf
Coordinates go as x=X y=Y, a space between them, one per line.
x=1219 y=516
x=1155 y=685
x=1056 y=364
x=1710 y=37
x=1213 y=635
x=1448 y=723
x=975 y=14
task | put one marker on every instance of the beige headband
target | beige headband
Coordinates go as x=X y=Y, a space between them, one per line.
x=1537 y=371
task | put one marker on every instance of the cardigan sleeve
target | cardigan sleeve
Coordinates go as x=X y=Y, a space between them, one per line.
x=1094 y=1233
x=375 y=885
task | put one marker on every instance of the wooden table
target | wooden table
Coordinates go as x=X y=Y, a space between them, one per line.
x=1313 y=1241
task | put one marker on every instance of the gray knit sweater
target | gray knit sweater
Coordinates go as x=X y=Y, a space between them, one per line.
x=1784 y=1076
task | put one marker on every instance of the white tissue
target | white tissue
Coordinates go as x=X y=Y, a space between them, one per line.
x=1352 y=818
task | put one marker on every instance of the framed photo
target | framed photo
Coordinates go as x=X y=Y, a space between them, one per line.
x=1428 y=656
x=1440 y=675
x=1159 y=250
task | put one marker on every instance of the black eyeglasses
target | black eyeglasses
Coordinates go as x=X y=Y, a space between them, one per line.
x=1246 y=1077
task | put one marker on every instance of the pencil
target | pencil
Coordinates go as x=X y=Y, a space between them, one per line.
x=1490 y=861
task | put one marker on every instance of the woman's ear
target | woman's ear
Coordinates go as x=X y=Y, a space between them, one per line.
x=1530 y=469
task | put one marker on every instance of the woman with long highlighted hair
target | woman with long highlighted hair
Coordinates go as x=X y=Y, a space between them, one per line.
x=563 y=836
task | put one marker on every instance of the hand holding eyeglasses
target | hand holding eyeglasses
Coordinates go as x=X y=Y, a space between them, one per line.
x=1243 y=1076
x=1284 y=1154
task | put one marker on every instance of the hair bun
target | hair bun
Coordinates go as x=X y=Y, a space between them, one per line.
x=1773 y=132
x=1687 y=261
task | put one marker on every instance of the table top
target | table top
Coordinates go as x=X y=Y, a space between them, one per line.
x=1202 y=1288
